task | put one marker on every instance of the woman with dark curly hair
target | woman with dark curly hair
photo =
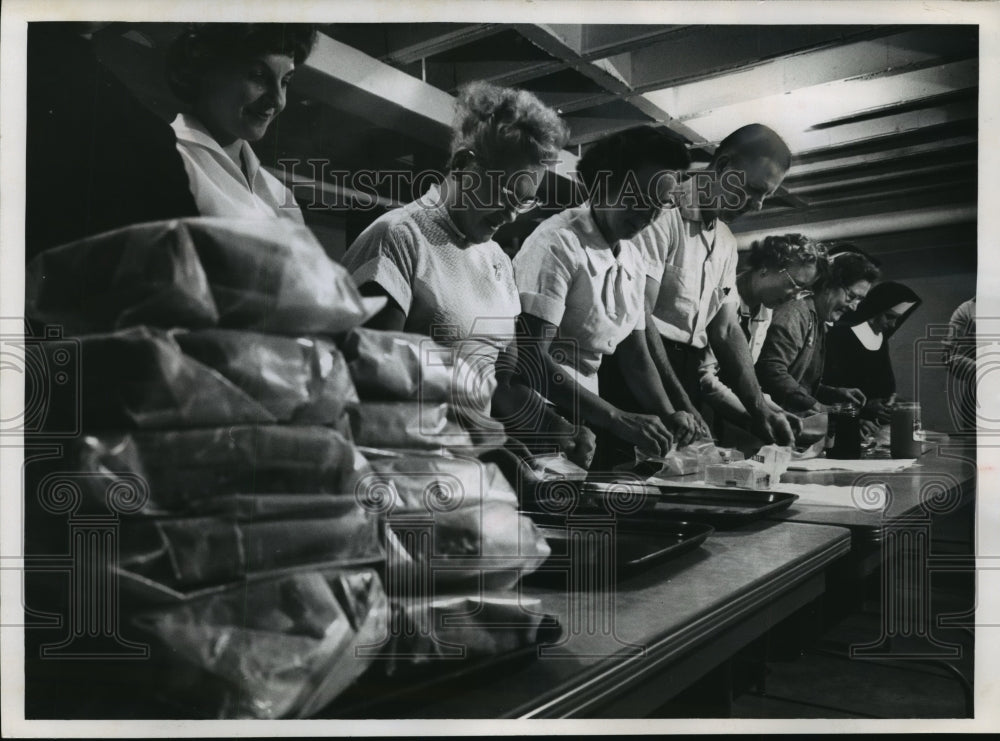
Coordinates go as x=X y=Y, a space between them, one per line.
x=780 y=268
x=790 y=366
x=234 y=77
x=435 y=259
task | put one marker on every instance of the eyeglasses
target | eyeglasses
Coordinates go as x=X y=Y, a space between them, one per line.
x=512 y=202
x=853 y=299
x=801 y=291
x=508 y=196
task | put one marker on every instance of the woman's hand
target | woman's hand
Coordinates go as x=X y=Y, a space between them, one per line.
x=852 y=396
x=577 y=442
x=686 y=427
x=645 y=431
x=879 y=410
x=869 y=428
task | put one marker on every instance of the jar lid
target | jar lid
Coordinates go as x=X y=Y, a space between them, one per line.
x=847 y=409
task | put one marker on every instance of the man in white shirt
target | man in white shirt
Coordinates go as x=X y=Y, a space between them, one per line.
x=691 y=269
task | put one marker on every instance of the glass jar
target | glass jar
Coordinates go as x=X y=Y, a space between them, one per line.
x=845 y=425
x=904 y=425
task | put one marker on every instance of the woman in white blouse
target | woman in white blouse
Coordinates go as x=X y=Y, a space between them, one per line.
x=234 y=77
x=435 y=259
x=582 y=287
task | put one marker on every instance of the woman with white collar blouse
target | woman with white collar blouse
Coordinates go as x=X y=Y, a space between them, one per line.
x=234 y=77
x=582 y=286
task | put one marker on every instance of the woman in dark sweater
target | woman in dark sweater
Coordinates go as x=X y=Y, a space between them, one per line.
x=790 y=365
x=858 y=346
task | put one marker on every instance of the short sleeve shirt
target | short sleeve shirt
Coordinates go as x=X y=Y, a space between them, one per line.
x=219 y=186
x=695 y=265
x=568 y=275
x=450 y=289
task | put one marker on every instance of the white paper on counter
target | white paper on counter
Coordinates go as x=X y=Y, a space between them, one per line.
x=866 y=465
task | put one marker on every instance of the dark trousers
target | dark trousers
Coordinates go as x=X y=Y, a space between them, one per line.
x=686 y=362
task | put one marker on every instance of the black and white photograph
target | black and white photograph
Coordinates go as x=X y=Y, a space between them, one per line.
x=424 y=368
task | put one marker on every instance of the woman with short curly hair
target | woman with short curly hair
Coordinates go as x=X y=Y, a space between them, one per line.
x=790 y=366
x=435 y=259
x=234 y=78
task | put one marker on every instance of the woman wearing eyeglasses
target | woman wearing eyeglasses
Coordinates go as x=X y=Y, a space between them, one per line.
x=435 y=259
x=780 y=268
x=791 y=362
x=582 y=286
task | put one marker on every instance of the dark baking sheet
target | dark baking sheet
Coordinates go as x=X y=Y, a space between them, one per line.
x=639 y=542
x=614 y=496
x=719 y=507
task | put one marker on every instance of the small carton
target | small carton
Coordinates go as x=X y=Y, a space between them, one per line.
x=743 y=474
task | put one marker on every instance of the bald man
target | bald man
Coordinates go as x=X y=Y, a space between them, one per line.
x=691 y=288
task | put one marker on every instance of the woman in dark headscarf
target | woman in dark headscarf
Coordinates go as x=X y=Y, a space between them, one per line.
x=858 y=348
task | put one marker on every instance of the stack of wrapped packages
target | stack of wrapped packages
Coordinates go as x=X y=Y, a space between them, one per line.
x=456 y=542
x=213 y=394
x=264 y=554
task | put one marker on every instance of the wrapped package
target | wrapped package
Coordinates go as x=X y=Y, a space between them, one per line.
x=301 y=380
x=276 y=648
x=270 y=506
x=774 y=459
x=138 y=378
x=477 y=532
x=743 y=474
x=467 y=627
x=408 y=424
x=182 y=553
x=401 y=366
x=760 y=472
x=181 y=468
x=274 y=276
x=556 y=466
x=143 y=274
x=267 y=275
x=691 y=459
x=424 y=482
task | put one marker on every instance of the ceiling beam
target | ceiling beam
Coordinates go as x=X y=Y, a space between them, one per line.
x=407 y=49
x=765 y=222
x=859 y=177
x=891 y=54
x=344 y=78
x=957 y=185
x=968 y=127
x=605 y=74
x=708 y=51
x=943 y=147
x=340 y=76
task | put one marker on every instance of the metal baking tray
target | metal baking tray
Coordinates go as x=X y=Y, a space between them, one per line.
x=638 y=542
x=719 y=507
x=618 y=496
